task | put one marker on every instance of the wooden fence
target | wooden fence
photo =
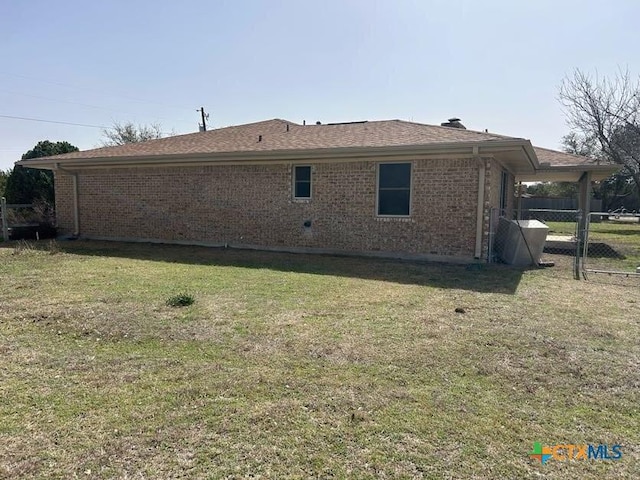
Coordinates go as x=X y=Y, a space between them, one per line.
x=552 y=203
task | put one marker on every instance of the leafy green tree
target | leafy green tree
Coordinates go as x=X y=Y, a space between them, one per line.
x=3 y=181
x=619 y=190
x=46 y=148
x=553 y=189
x=580 y=144
x=26 y=185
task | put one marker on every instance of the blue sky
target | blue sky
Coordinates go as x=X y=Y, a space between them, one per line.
x=495 y=64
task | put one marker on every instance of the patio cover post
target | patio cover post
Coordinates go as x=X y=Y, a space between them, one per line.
x=584 y=203
x=519 y=203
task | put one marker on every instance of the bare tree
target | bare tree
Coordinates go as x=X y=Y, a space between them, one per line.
x=604 y=115
x=122 y=133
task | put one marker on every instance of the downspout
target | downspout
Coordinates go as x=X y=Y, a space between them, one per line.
x=76 y=207
x=480 y=211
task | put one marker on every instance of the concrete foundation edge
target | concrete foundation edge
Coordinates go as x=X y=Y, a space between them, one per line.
x=302 y=250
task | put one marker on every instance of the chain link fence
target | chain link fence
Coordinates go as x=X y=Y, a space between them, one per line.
x=611 y=251
x=606 y=248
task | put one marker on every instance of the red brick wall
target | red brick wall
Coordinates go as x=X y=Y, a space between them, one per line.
x=253 y=205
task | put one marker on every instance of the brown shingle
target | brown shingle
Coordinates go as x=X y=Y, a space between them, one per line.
x=283 y=135
x=561 y=159
x=274 y=136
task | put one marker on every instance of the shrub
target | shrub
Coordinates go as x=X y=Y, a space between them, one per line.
x=23 y=246
x=180 y=300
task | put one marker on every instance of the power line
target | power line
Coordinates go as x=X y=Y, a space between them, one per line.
x=93 y=90
x=83 y=104
x=13 y=117
x=61 y=101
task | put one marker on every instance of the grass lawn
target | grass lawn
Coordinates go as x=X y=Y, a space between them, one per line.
x=294 y=366
x=612 y=246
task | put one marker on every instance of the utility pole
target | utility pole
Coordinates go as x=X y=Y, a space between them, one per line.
x=205 y=117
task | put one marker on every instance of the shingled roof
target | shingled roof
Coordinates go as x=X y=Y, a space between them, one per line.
x=282 y=135
x=555 y=158
x=279 y=135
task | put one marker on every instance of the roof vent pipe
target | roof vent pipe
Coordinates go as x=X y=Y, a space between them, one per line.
x=259 y=138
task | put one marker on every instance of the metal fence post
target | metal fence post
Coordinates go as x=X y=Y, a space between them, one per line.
x=577 y=262
x=5 y=224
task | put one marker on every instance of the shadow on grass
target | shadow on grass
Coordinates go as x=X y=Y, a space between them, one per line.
x=596 y=250
x=475 y=277
x=603 y=250
x=617 y=231
x=568 y=251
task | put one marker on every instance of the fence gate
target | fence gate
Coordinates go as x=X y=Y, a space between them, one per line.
x=611 y=251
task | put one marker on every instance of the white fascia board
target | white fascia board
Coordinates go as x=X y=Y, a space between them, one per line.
x=343 y=153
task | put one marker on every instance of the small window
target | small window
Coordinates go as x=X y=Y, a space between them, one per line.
x=394 y=189
x=504 y=191
x=302 y=182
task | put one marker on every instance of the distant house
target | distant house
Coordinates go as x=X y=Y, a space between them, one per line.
x=390 y=188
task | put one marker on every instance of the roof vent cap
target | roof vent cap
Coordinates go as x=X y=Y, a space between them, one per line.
x=453 y=123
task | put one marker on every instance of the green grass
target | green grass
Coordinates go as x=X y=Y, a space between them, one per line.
x=612 y=246
x=561 y=228
x=294 y=366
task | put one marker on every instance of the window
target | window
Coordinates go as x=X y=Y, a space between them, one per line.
x=394 y=189
x=301 y=182
x=504 y=191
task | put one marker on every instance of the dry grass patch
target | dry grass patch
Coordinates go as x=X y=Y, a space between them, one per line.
x=306 y=367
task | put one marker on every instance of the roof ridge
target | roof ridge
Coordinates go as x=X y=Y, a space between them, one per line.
x=252 y=124
x=461 y=129
x=564 y=153
x=449 y=129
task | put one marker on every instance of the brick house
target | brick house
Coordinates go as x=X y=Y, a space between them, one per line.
x=387 y=188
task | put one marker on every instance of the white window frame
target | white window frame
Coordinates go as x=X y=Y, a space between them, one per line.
x=378 y=214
